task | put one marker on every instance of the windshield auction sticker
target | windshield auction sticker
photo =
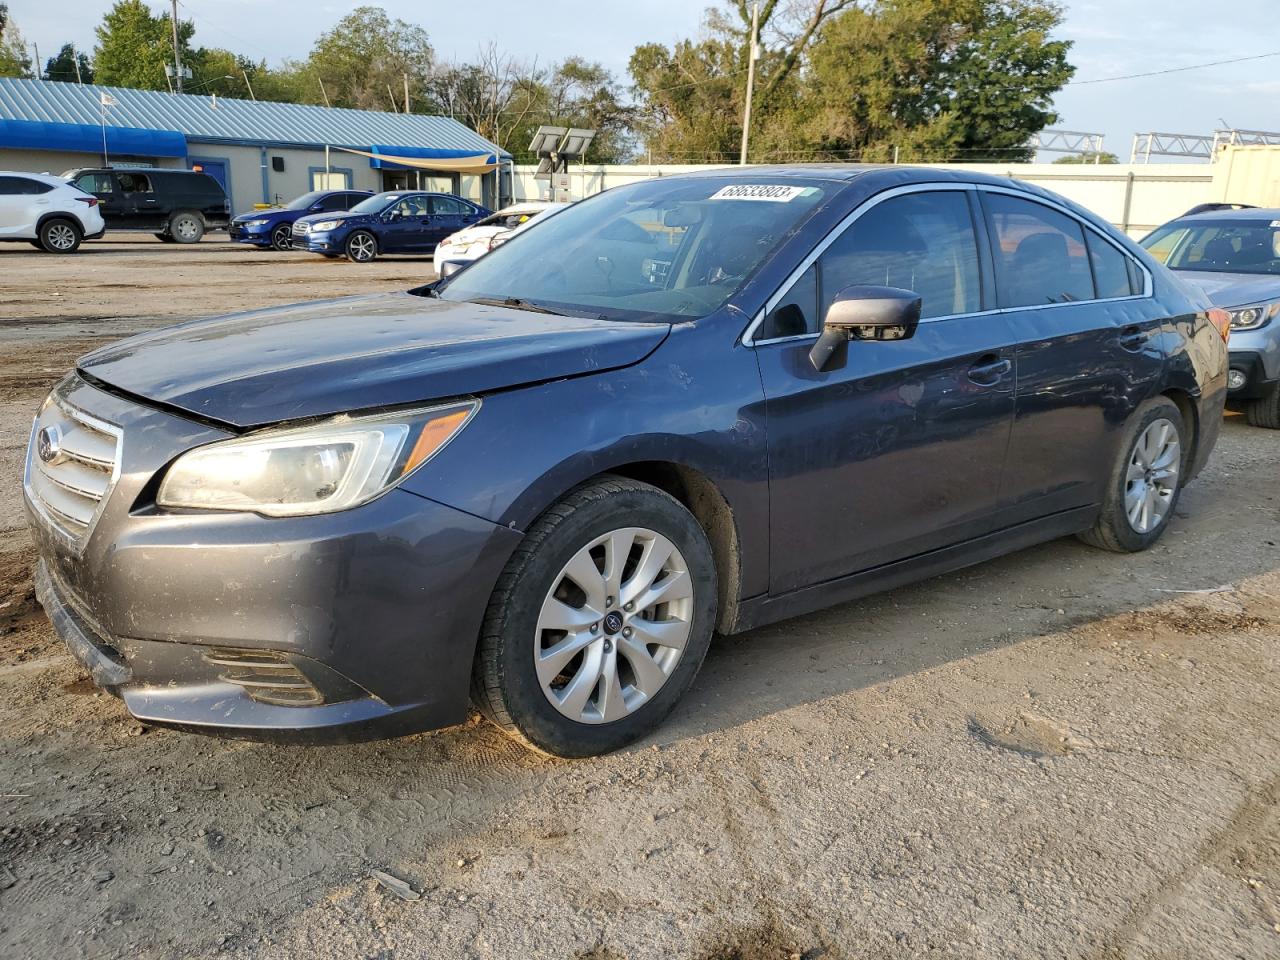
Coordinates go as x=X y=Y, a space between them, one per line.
x=771 y=193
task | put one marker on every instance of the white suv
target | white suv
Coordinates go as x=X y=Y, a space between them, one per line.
x=47 y=212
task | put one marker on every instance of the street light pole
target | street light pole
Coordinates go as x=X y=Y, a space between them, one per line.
x=752 y=53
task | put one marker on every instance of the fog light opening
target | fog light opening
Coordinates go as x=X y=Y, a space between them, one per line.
x=1236 y=379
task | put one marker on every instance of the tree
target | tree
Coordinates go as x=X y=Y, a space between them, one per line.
x=690 y=99
x=69 y=66
x=1089 y=157
x=496 y=96
x=14 y=61
x=364 y=60
x=134 y=46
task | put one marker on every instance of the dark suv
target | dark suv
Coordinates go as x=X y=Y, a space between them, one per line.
x=178 y=206
x=693 y=404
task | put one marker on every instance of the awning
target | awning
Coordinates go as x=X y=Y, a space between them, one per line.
x=382 y=157
x=87 y=138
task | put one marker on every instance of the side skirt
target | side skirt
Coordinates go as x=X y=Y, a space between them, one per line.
x=759 y=611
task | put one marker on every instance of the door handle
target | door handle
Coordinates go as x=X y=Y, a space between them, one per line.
x=1132 y=339
x=989 y=370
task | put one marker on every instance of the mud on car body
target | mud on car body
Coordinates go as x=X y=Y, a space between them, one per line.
x=695 y=404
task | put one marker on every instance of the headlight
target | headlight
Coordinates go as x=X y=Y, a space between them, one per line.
x=254 y=223
x=325 y=225
x=1250 y=318
x=307 y=470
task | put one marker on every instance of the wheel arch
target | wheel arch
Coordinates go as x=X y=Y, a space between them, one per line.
x=1185 y=402
x=58 y=215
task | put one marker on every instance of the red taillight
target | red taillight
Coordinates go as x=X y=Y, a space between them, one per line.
x=1222 y=321
x=91 y=201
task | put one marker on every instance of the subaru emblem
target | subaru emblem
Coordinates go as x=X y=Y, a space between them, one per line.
x=49 y=444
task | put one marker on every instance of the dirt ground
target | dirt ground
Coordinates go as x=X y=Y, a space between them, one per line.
x=1059 y=754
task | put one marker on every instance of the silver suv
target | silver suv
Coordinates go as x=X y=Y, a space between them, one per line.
x=1233 y=255
x=47 y=212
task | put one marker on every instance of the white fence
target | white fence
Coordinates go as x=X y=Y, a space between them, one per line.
x=1134 y=197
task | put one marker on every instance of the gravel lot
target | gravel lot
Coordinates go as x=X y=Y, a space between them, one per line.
x=1062 y=753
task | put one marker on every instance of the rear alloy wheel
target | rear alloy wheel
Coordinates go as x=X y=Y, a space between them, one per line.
x=361 y=247
x=282 y=237
x=599 y=623
x=1146 y=482
x=59 y=236
x=186 y=228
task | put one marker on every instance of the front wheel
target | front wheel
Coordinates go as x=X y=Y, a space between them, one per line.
x=59 y=236
x=1146 y=481
x=282 y=237
x=599 y=622
x=1265 y=410
x=361 y=247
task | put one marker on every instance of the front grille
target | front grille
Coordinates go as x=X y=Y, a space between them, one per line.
x=73 y=460
x=301 y=229
x=265 y=676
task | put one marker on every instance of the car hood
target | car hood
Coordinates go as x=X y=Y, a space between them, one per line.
x=1233 y=289
x=471 y=235
x=338 y=356
x=340 y=216
x=276 y=214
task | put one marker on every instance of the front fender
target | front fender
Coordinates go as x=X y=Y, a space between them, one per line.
x=696 y=402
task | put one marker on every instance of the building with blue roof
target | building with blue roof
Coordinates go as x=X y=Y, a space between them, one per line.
x=261 y=152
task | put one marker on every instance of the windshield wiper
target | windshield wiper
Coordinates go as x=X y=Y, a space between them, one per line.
x=516 y=303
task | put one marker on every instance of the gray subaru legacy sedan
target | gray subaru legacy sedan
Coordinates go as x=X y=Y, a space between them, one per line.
x=690 y=405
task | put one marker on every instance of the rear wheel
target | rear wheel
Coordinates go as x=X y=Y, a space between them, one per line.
x=600 y=621
x=282 y=237
x=186 y=227
x=1265 y=411
x=1146 y=481
x=59 y=235
x=361 y=247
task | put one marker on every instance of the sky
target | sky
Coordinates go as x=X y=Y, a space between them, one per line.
x=1112 y=38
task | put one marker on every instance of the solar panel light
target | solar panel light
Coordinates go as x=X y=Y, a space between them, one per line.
x=546 y=139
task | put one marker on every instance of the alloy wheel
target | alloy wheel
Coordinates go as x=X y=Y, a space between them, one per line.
x=282 y=239
x=186 y=228
x=362 y=247
x=1151 y=480
x=61 y=236
x=614 y=625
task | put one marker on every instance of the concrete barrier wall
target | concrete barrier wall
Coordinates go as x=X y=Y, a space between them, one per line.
x=1135 y=197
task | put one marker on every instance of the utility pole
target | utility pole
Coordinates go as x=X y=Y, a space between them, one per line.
x=323 y=93
x=406 y=93
x=752 y=53
x=75 y=59
x=245 y=74
x=38 y=68
x=177 y=56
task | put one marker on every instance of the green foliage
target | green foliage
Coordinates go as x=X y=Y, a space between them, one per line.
x=1091 y=157
x=14 y=61
x=63 y=66
x=364 y=59
x=933 y=79
x=134 y=46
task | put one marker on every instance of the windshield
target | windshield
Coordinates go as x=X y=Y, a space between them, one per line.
x=1218 y=246
x=304 y=202
x=657 y=250
x=375 y=204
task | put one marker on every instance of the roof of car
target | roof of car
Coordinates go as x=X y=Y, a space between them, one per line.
x=1246 y=213
x=45 y=177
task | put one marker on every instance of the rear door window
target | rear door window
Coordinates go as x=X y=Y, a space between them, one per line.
x=338 y=201
x=134 y=182
x=1039 y=253
x=449 y=206
x=1111 y=271
x=96 y=183
x=22 y=186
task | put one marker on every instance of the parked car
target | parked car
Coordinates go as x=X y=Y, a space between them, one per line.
x=398 y=221
x=273 y=228
x=47 y=212
x=1233 y=255
x=178 y=206
x=494 y=230
x=695 y=403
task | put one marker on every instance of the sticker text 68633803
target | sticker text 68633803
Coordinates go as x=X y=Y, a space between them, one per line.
x=771 y=193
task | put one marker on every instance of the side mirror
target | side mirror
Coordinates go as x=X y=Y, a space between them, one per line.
x=865 y=313
x=450 y=267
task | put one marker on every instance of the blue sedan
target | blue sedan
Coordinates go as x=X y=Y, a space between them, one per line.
x=399 y=221
x=274 y=228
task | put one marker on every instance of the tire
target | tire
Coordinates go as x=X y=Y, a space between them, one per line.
x=60 y=235
x=282 y=237
x=186 y=227
x=165 y=238
x=1138 y=470
x=361 y=247
x=506 y=685
x=1265 y=411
